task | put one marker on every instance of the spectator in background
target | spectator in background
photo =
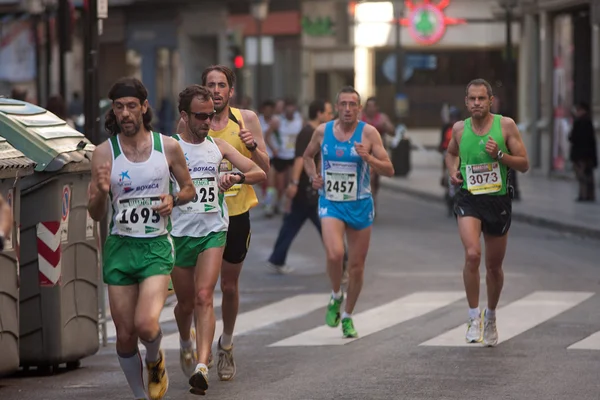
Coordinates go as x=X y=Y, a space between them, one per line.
x=76 y=106
x=57 y=106
x=583 y=151
x=18 y=94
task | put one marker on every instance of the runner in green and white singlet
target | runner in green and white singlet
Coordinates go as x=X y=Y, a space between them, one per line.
x=200 y=229
x=131 y=171
x=482 y=149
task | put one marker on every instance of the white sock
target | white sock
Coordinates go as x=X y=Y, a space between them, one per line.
x=132 y=367
x=226 y=341
x=200 y=365
x=490 y=314
x=346 y=315
x=337 y=295
x=153 y=348
x=186 y=344
x=474 y=312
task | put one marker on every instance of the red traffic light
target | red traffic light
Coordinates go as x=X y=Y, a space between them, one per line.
x=238 y=62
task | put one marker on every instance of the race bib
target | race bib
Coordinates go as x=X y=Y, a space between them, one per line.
x=136 y=217
x=341 y=182
x=227 y=168
x=206 y=199
x=484 y=178
x=291 y=142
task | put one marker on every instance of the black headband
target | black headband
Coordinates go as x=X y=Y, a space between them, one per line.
x=127 y=91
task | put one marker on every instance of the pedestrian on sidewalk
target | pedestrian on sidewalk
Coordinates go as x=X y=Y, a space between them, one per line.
x=584 y=154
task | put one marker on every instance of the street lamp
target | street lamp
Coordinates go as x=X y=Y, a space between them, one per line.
x=259 y=10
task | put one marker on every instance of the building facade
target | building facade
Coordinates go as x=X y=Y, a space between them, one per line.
x=562 y=39
x=446 y=43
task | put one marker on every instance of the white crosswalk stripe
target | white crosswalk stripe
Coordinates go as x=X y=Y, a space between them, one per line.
x=591 y=342
x=518 y=316
x=376 y=319
x=286 y=309
x=514 y=318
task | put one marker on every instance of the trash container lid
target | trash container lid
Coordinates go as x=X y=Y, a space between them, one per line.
x=41 y=136
x=12 y=159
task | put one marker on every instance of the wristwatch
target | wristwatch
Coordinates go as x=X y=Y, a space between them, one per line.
x=253 y=147
x=241 y=175
x=295 y=183
x=175 y=200
x=499 y=155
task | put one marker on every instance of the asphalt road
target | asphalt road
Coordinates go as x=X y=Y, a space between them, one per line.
x=410 y=319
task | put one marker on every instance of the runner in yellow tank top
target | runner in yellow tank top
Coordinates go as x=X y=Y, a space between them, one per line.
x=241 y=129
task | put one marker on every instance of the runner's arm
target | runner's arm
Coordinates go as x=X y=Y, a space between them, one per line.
x=517 y=159
x=312 y=150
x=259 y=156
x=251 y=171
x=379 y=160
x=452 y=154
x=386 y=125
x=180 y=171
x=269 y=135
x=97 y=199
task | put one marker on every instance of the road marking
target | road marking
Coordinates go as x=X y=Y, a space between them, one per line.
x=518 y=316
x=375 y=319
x=283 y=310
x=591 y=342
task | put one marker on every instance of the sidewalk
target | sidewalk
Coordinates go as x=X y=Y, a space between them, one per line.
x=544 y=201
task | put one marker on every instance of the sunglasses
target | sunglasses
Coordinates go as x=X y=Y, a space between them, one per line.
x=203 y=116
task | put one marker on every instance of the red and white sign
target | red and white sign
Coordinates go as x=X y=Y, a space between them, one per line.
x=65 y=211
x=49 y=255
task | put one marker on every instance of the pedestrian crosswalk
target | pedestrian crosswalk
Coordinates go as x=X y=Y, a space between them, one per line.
x=515 y=318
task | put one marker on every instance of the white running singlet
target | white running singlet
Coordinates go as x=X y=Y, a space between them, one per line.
x=207 y=212
x=135 y=188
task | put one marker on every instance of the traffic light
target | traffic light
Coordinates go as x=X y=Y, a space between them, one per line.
x=236 y=50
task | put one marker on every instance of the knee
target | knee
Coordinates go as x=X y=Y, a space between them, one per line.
x=473 y=257
x=184 y=306
x=126 y=338
x=335 y=256
x=204 y=297
x=356 y=271
x=493 y=270
x=229 y=286
x=146 y=327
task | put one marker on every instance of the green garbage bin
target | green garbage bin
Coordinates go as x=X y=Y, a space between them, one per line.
x=13 y=166
x=59 y=241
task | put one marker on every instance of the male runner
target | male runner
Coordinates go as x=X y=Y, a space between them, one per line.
x=481 y=150
x=242 y=130
x=200 y=228
x=300 y=191
x=371 y=115
x=349 y=149
x=132 y=170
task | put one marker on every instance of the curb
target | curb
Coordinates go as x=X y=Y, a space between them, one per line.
x=516 y=215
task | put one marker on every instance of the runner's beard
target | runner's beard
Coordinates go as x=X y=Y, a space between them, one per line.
x=224 y=103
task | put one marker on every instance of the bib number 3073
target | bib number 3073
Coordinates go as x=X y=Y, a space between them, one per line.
x=136 y=216
x=205 y=200
x=484 y=178
x=340 y=182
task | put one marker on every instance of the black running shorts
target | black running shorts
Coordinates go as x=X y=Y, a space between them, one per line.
x=238 y=238
x=494 y=212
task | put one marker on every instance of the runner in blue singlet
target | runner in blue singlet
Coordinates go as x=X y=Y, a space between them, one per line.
x=349 y=149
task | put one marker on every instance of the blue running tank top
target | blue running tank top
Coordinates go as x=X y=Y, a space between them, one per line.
x=345 y=175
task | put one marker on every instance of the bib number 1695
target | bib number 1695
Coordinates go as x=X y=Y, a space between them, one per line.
x=133 y=215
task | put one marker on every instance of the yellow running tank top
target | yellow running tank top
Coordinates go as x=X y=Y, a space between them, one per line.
x=239 y=198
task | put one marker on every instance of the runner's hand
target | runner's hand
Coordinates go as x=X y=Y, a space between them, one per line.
x=492 y=148
x=456 y=179
x=317 y=182
x=103 y=178
x=246 y=137
x=226 y=181
x=166 y=205
x=362 y=151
